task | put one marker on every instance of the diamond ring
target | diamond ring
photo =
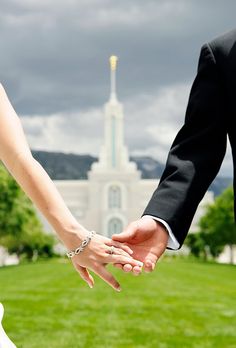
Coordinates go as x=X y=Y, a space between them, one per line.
x=111 y=250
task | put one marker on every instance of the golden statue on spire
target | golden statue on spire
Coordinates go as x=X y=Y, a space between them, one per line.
x=113 y=62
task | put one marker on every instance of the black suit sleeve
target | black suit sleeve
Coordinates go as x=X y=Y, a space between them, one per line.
x=197 y=152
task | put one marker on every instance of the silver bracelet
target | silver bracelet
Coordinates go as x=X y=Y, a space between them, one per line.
x=84 y=243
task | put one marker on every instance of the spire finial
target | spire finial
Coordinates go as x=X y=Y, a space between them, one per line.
x=113 y=64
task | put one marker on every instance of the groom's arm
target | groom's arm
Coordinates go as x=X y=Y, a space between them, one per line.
x=197 y=152
x=193 y=162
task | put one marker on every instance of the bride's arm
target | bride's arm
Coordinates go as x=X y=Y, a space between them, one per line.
x=16 y=155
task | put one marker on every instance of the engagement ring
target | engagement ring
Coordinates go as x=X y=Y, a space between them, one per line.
x=111 y=250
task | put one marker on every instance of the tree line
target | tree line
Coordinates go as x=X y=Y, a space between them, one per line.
x=217 y=229
x=21 y=231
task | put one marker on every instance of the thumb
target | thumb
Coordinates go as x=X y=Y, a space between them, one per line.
x=128 y=234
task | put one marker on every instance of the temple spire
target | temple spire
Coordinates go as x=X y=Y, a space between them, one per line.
x=113 y=65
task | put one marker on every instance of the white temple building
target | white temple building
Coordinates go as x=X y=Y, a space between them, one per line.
x=114 y=193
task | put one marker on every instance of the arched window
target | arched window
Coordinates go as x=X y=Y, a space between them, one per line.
x=114 y=226
x=114 y=197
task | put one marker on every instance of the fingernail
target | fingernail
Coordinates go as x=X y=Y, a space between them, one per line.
x=140 y=264
x=118 y=289
x=90 y=285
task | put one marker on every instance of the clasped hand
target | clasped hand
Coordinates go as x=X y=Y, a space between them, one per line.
x=139 y=246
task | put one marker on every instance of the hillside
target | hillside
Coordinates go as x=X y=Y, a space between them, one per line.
x=63 y=166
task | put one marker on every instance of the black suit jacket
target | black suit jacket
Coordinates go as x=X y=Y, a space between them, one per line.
x=199 y=148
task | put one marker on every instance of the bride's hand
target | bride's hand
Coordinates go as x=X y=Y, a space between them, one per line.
x=97 y=254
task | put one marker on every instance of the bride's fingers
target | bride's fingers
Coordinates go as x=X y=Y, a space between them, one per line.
x=102 y=272
x=112 y=250
x=90 y=277
x=85 y=275
x=120 y=245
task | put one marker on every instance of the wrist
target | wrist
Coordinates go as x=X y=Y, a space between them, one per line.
x=159 y=223
x=163 y=230
x=159 y=229
x=72 y=235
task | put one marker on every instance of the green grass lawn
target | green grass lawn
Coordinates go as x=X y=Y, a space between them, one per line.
x=183 y=304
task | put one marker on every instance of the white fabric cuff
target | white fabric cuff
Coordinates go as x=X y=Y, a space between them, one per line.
x=172 y=242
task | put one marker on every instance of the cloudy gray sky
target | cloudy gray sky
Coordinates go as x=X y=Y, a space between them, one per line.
x=54 y=65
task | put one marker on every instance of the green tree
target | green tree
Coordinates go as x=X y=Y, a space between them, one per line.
x=197 y=245
x=217 y=226
x=20 y=229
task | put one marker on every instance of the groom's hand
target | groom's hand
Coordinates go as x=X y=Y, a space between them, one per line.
x=148 y=240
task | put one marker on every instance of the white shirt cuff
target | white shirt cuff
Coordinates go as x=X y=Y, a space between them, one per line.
x=172 y=242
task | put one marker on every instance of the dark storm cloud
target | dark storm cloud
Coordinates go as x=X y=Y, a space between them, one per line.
x=54 y=54
x=54 y=60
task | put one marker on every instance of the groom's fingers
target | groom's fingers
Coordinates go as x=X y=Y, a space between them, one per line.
x=128 y=268
x=150 y=263
x=118 y=265
x=149 y=266
x=102 y=272
x=153 y=256
x=124 y=260
x=136 y=270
